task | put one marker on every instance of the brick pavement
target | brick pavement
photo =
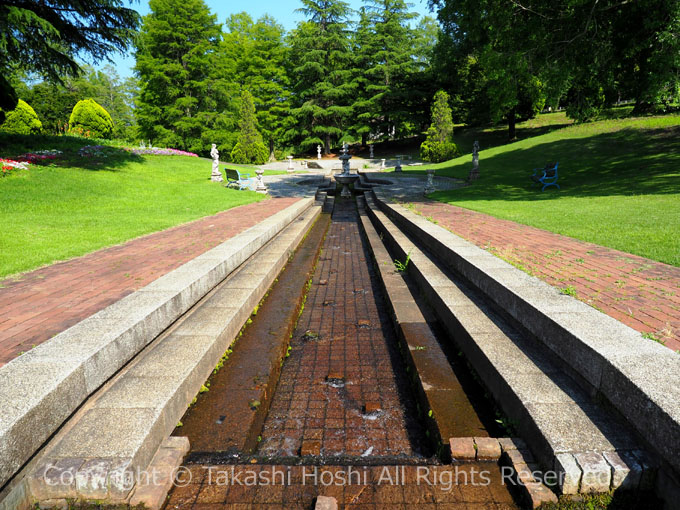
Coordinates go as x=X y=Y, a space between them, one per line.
x=474 y=486
x=639 y=292
x=40 y=304
x=345 y=366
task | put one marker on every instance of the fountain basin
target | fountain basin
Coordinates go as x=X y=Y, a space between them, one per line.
x=345 y=180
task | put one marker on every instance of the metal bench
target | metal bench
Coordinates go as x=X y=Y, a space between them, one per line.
x=547 y=176
x=236 y=178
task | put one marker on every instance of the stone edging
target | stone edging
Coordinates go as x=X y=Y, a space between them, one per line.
x=637 y=377
x=42 y=388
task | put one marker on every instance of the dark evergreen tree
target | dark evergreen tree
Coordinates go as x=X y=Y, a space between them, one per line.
x=386 y=49
x=320 y=75
x=182 y=93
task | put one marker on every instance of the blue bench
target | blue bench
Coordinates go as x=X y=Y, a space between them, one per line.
x=547 y=176
x=236 y=178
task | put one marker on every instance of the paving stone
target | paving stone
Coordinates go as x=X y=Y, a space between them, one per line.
x=310 y=447
x=569 y=473
x=325 y=503
x=92 y=479
x=488 y=448
x=520 y=456
x=55 y=479
x=539 y=494
x=626 y=471
x=649 y=467
x=462 y=448
x=596 y=476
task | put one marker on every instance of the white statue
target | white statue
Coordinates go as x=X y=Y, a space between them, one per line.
x=318 y=152
x=370 y=148
x=216 y=176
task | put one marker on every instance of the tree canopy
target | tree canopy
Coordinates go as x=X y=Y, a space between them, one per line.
x=46 y=36
x=180 y=90
x=583 y=53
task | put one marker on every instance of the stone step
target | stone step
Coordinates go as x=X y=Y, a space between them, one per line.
x=565 y=429
x=119 y=430
x=446 y=409
x=613 y=362
x=42 y=388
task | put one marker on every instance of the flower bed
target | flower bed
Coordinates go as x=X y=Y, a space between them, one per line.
x=93 y=151
x=10 y=165
x=154 y=151
x=35 y=157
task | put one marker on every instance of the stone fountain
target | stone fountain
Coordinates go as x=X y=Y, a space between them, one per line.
x=345 y=178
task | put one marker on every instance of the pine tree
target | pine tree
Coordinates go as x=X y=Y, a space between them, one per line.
x=386 y=53
x=321 y=75
x=181 y=98
x=249 y=147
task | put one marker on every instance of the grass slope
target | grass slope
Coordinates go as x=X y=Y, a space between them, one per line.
x=620 y=182
x=78 y=205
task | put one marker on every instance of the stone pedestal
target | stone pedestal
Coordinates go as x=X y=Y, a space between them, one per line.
x=382 y=164
x=290 y=164
x=398 y=167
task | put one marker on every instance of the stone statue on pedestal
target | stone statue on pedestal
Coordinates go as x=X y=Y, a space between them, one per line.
x=216 y=176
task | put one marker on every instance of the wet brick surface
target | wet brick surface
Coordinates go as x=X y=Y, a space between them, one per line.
x=474 y=486
x=344 y=357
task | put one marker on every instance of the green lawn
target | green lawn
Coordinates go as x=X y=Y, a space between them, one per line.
x=620 y=182
x=78 y=205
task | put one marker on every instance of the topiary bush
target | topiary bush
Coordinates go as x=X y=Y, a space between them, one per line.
x=255 y=153
x=438 y=146
x=90 y=119
x=435 y=151
x=22 y=120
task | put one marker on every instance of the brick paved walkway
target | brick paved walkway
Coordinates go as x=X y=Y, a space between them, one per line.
x=353 y=363
x=474 y=486
x=639 y=292
x=38 y=305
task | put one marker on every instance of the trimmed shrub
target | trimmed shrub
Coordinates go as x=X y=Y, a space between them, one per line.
x=435 y=151
x=22 y=120
x=253 y=153
x=90 y=119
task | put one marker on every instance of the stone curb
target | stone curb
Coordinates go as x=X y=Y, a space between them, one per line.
x=435 y=381
x=122 y=426
x=168 y=458
x=512 y=369
x=42 y=388
x=638 y=377
x=526 y=476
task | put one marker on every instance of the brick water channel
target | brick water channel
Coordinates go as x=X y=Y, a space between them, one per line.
x=343 y=408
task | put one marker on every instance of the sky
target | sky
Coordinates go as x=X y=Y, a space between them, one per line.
x=282 y=10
